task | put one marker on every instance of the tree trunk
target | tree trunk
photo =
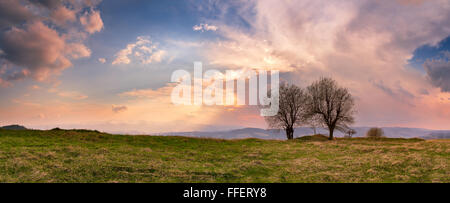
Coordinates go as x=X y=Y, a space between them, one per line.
x=290 y=133
x=331 y=130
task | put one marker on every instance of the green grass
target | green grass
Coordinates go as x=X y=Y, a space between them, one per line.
x=88 y=156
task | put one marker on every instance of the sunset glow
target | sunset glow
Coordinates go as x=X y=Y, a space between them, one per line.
x=107 y=65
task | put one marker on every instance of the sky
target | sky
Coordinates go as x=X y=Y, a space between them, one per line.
x=107 y=65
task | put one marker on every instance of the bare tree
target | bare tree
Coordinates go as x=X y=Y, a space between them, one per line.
x=333 y=104
x=350 y=133
x=291 y=111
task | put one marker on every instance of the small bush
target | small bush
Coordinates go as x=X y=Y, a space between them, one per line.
x=375 y=133
x=349 y=133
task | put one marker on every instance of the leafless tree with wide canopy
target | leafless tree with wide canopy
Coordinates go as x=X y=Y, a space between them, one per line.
x=333 y=104
x=291 y=111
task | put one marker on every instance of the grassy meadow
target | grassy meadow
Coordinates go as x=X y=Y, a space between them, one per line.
x=90 y=156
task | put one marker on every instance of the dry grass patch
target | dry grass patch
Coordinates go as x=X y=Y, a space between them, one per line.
x=89 y=156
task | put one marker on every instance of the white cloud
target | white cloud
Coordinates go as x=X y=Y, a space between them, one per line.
x=102 y=60
x=204 y=27
x=122 y=55
x=143 y=50
x=155 y=57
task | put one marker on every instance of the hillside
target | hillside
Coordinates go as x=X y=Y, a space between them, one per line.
x=89 y=156
x=13 y=127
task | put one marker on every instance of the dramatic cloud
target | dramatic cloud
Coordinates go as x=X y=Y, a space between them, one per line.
x=355 y=42
x=439 y=73
x=143 y=50
x=37 y=48
x=92 y=21
x=42 y=38
x=204 y=27
x=364 y=44
x=12 y=12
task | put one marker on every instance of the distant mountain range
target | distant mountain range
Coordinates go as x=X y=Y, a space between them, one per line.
x=391 y=132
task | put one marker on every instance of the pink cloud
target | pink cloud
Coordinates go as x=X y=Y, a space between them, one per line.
x=92 y=21
x=355 y=42
x=61 y=15
x=12 y=12
x=77 y=50
x=39 y=41
x=36 y=48
x=72 y=95
x=102 y=60
x=163 y=92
